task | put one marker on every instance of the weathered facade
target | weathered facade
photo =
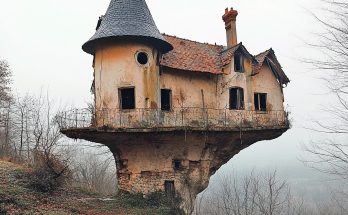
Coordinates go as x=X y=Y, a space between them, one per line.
x=171 y=110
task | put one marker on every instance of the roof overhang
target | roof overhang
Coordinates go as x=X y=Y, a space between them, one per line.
x=161 y=45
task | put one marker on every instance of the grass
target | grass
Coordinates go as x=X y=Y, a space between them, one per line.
x=16 y=197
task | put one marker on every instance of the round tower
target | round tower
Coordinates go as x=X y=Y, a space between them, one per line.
x=127 y=47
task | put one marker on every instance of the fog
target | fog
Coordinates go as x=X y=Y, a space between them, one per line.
x=42 y=41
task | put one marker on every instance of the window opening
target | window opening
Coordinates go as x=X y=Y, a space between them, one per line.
x=166 y=103
x=236 y=98
x=177 y=164
x=142 y=58
x=127 y=98
x=260 y=101
x=169 y=188
x=238 y=63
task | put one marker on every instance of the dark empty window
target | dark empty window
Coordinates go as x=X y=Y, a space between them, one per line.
x=127 y=98
x=166 y=103
x=142 y=58
x=260 y=101
x=176 y=164
x=169 y=188
x=238 y=63
x=236 y=98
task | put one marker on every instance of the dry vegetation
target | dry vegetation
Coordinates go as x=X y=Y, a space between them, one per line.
x=17 y=196
x=260 y=194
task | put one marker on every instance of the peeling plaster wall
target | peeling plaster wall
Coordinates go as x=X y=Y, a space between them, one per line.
x=116 y=67
x=230 y=78
x=266 y=82
x=187 y=88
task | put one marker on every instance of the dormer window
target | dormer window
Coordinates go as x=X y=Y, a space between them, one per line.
x=238 y=63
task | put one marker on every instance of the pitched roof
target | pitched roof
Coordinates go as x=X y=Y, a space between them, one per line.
x=127 y=19
x=226 y=55
x=200 y=57
x=208 y=58
x=193 y=56
x=270 y=58
x=261 y=58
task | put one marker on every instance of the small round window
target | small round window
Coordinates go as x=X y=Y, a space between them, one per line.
x=142 y=58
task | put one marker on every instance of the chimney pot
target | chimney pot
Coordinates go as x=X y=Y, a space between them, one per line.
x=230 y=24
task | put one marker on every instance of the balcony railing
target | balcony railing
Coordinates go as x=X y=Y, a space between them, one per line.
x=176 y=118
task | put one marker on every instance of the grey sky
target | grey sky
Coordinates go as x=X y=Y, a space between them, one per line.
x=42 y=41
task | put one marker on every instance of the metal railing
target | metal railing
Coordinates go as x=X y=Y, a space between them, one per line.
x=205 y=118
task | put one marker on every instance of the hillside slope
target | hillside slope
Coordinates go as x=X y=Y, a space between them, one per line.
x=16 y=197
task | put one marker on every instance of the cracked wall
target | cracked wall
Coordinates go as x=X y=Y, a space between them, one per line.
x=145 y=162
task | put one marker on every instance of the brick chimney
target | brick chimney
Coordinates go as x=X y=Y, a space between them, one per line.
x=230 y=24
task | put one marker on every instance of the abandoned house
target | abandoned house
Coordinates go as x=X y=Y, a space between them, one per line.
x=173 y=110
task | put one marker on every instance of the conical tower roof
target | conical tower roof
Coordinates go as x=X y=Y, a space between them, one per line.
x=128 y=20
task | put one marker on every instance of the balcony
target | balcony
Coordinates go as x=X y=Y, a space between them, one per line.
x=176 y=119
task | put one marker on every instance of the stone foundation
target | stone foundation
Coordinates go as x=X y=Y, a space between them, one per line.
x=146 y=161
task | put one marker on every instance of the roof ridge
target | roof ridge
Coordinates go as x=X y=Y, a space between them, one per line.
x=267 y=50
x=225 y=50
x=164 y=34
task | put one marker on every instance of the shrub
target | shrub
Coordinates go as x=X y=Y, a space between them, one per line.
x=49 y=172
x=169 y=205
x=3 y=210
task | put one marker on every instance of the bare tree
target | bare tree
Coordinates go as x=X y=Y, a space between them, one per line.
x=95 y=173
x=32 y=126
x=273 y=196
x=331 y=153
x=333 y=44
x=5 y=81
x=21 y=118
x=51 y=165
x=5 y=102
x=29 y=132
x=259 y=194
x=6 y=136
x=254 y=194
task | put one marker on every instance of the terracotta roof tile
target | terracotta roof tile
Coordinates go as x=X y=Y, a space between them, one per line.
x=226 y=55
x=261 y=58
x=270 y=58
x=192 y=56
